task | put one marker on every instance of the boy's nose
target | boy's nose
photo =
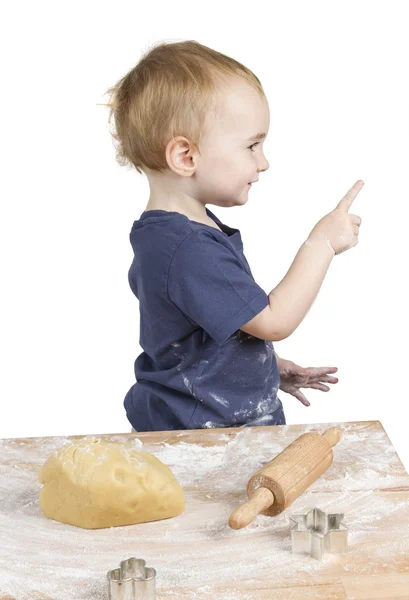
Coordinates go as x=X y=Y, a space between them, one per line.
x=266 y=165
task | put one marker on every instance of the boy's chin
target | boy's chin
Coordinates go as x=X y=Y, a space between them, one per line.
x=243 y=198
x=238 y=201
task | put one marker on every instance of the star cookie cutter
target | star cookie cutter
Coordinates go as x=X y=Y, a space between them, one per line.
x=132 y=581
x=317 y=533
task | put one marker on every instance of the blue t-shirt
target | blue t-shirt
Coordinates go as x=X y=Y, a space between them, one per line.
x=195 y=291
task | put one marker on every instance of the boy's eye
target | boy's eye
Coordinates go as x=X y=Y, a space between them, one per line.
x=250 y=147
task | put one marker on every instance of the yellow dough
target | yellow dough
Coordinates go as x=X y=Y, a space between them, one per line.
x=96 y=483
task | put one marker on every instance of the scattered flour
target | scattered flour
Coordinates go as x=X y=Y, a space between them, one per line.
x=41 y=558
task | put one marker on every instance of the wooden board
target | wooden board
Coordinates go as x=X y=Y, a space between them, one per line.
x=197 y=556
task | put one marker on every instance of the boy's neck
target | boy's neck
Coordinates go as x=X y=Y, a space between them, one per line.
x=202 y=218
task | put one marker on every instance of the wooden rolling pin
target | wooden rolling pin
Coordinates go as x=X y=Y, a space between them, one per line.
x=274 y=487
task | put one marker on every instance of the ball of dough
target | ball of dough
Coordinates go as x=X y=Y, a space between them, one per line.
x=96 y=483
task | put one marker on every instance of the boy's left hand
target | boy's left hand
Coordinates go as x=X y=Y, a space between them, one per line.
x=293 y=377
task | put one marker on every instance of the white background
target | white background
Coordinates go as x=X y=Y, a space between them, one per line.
x=336 y=79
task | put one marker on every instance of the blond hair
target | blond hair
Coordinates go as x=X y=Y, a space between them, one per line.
x=171 y=91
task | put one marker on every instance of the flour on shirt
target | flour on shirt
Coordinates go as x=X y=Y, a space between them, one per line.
x=219 y=399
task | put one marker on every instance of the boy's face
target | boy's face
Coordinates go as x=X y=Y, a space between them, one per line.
x=229 y=160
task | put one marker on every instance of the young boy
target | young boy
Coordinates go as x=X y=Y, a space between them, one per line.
x=194 y=120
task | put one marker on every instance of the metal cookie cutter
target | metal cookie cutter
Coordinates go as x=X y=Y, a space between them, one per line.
x=132 y=581
x=317 y=532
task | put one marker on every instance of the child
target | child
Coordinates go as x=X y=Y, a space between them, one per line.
x=193 y=121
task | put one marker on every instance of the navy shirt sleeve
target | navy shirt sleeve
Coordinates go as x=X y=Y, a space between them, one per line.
x=211 y=286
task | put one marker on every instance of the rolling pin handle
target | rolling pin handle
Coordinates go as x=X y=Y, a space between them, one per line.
x=332 y=435
x=247 y=512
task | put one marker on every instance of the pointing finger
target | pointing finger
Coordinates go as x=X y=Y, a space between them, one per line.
x=346 y=202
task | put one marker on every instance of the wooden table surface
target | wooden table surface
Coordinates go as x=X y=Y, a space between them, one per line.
x=197 y=556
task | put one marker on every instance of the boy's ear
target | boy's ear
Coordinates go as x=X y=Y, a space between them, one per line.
x=181 y=156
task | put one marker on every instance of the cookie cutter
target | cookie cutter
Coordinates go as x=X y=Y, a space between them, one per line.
x=132 y=581
x=317 y=533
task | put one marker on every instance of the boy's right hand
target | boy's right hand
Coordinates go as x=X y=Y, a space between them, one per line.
x=338 y=228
